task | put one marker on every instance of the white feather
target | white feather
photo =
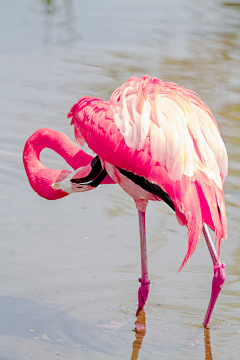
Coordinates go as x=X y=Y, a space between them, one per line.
x=183 y=137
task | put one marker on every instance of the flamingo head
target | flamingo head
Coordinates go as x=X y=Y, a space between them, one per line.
x=41 y=181
x=68 y=187
x=77 y=181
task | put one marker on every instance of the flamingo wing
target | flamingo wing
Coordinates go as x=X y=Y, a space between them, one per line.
x=166 y=134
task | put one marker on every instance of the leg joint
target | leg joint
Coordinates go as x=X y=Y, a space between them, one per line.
x=219 y=275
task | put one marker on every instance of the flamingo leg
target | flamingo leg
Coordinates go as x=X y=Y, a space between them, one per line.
x=144 y=280
x=218 y=278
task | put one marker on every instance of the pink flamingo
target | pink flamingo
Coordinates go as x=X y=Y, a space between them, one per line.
x=158 y=141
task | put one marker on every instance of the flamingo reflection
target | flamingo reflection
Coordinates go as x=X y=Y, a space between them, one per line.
x=207 y=342
x=140 y=331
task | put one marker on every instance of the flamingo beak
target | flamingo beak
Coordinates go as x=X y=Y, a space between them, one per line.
x=69 y=187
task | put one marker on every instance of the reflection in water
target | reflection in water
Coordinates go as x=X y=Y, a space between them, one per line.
x=207 y=342
x=49 y=6
x=59 y=22
x=140 y=331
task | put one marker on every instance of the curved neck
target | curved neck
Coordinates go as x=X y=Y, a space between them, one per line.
x=60 y=143
x=40 y=177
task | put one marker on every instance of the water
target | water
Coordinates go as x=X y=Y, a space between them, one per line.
x=69 y=268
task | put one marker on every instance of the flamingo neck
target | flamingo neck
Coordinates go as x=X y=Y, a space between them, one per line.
x=40 y=177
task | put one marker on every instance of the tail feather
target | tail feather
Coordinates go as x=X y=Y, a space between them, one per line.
x=215 y=201
x=203 y=202
x=194 y=219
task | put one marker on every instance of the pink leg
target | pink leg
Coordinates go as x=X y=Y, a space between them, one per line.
x=218 y=278
x=144 y=288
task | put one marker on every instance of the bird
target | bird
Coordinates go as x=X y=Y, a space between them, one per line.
x=159 y=141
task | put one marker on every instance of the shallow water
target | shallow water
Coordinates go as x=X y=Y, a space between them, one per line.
x=69 y=268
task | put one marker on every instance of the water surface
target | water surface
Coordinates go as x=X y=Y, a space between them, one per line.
x=69 y=268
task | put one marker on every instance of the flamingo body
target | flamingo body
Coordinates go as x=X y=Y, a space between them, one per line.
x=166 y=134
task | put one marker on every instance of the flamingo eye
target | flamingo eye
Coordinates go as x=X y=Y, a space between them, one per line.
x=56 y=186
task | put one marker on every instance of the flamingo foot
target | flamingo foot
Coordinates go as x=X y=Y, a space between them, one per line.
x=217 y=284
x=143 y=292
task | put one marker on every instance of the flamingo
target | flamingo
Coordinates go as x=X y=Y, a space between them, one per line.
x=159 y=142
